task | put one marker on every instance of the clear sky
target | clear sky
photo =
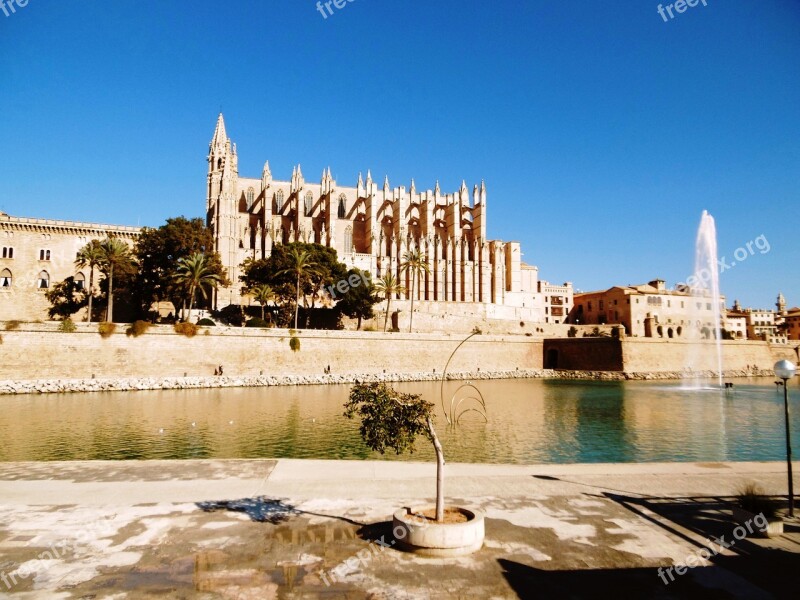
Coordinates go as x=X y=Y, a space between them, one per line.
x=601 y=130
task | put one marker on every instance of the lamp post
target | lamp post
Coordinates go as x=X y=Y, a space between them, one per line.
x=786 y=370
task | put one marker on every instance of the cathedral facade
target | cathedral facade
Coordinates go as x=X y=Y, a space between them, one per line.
x=371 y=226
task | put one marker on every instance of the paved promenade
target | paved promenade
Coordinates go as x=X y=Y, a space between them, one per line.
x=319 y=529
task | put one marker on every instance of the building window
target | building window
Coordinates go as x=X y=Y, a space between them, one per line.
x=5 y=278
x=8 y=252
x=44 y=254
x=80 y=281
x=251 y=195
x=279 y=200
x=348 y=240
x=309 y=203
x=342 y=206
x=43 y=282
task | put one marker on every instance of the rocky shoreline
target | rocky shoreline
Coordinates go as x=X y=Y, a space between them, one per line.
x=61 y=386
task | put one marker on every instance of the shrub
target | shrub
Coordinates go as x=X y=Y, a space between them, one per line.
x=187 y=329
x=206 y=323
x=573 y=332
x=294 y=344
x=256 y=322
x=106 y=329
x=369 y=328
x=477 y=330
x=67 y=326
x=751 y=497
x=293 y=332
x=13 y=325
x=137 y=328
x=232 y=315
x=522 y=323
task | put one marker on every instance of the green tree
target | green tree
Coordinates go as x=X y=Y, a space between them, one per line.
x=389 y=286
x=357 y=303
x=91 y=255
x=158 y=251
x=115 y=255
x=301 y=267
x=263 y=294
x=415 y=263
x=66 y=298
x=195 y=274
x=393 y=420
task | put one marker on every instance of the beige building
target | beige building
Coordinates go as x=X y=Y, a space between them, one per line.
x=37 y=253
x=371 y=226
x=761 y=324
x=649 y=310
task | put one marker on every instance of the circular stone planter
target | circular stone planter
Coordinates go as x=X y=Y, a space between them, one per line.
x=430 y=538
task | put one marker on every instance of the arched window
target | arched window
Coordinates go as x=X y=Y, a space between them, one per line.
x=44 y=254
x=348 y=240
x=309 y=203
x=80 y=281
x=43 y=282
x=342 y=206
x=251 y=196
x=8 y=252
x=279 y=200
x=5 y=278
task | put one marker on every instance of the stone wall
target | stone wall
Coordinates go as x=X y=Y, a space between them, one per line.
x=40 y=352
x=641 y=355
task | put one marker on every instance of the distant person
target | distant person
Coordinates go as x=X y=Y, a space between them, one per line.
x=219 y=370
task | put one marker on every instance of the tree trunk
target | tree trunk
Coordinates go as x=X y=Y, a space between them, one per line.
x=411 y=316
x=386 y=320
x=297 y=302
x=91 y=286
x=439 y=473
x=110 y=308
x=191 y=301
x=359 y=323
x=262 y=311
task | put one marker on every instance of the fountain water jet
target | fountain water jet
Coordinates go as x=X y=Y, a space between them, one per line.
x=704 y=285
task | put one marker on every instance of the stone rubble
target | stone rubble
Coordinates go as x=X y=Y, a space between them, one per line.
x=60 y=386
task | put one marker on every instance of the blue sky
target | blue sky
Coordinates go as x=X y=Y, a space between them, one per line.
x=602 y=131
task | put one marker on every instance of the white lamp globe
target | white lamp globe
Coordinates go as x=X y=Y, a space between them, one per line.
x=785 y=369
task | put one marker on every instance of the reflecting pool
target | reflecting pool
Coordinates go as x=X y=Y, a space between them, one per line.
x=529 y=421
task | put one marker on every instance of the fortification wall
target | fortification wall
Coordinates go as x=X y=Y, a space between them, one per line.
x=39 y=352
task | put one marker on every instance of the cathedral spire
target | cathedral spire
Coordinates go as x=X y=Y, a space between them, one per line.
x=220 y=137
x=386 y=183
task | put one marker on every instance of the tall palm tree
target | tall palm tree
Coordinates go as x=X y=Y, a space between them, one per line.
x=263 y=294
x=415 y=262
x=388 y=285
x=194 y=272
x=115 y=253
x=301 y=266
x=91 y=255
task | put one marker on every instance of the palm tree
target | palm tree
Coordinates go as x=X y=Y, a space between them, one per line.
x=301 y=266
x=415 y=262
x=388 y=285
x=194 y=272
x=91 y=255
x=262 y=294
x=115 y=253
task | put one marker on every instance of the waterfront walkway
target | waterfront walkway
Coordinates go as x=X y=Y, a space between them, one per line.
x=317 y=529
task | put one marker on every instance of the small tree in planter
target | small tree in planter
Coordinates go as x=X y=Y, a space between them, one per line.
x=393 y=420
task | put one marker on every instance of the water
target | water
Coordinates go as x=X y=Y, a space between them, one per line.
x=706 y=285
x=530 y=421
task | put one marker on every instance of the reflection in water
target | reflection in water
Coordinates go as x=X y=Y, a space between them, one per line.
x=530 y=421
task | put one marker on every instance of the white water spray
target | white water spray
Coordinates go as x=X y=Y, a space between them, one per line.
x=705 y=286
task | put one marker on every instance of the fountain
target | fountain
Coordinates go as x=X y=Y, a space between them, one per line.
x=704 y=286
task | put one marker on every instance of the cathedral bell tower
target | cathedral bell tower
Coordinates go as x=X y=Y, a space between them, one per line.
x=221 y=209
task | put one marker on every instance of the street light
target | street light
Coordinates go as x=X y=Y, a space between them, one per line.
x=786 y=370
